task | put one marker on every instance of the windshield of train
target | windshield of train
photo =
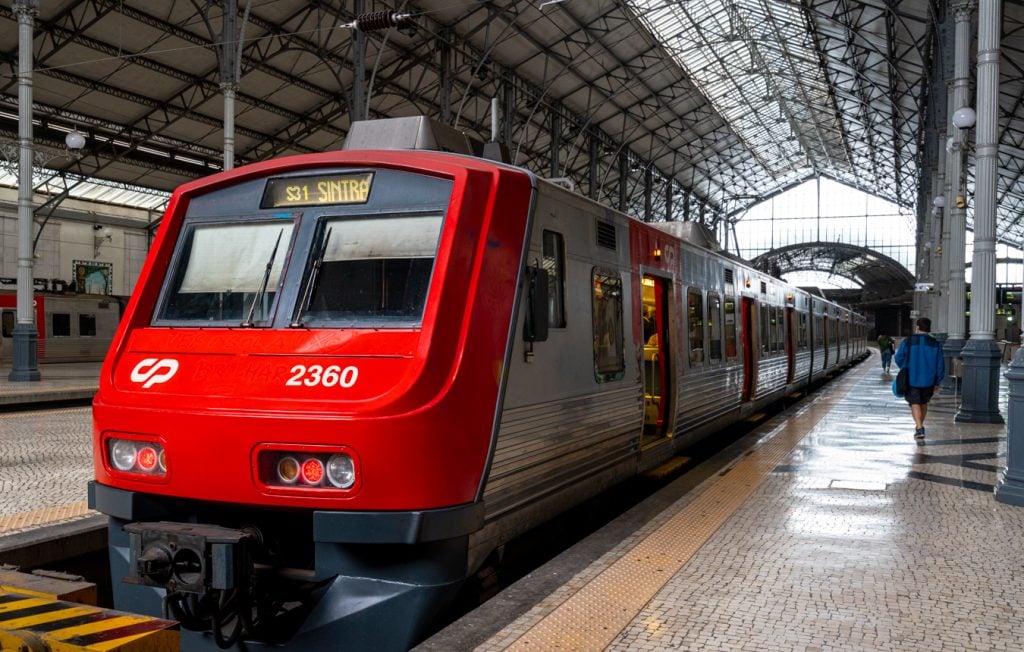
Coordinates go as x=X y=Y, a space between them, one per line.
x=370 y=270
x=229 y=273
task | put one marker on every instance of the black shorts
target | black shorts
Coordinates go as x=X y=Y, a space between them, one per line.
x=919 y=395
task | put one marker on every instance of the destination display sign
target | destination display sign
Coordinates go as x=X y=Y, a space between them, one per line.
x=317 y=190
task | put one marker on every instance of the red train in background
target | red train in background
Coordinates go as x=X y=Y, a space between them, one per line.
x=347 y=378
x=70 y=327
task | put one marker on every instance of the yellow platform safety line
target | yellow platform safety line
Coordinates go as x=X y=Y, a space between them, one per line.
x=42 y=516
x=31 y=623
x=593 y=617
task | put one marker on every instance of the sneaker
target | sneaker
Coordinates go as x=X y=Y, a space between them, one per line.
x=919 y=436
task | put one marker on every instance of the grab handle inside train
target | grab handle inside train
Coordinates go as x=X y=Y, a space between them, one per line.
x=535 y=328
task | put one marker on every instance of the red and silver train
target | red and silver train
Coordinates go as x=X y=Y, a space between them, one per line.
x=70 y=327
x=346 y=378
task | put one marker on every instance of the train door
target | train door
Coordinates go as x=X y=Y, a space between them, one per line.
x=789 y=325
x=749 y=370
x=826 y=340
x=6 y=333
x=658 y=391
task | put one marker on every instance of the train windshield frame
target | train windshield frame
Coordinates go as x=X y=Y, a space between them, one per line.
x=370 y=270
x=228 y=273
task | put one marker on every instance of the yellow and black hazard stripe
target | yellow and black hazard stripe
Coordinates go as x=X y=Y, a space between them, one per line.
x=28 y=622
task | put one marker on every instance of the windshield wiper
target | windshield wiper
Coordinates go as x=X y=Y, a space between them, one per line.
x=314 y=272
x=263 y=284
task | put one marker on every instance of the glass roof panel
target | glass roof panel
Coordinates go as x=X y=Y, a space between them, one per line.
x=97 y=190
x=756 y=64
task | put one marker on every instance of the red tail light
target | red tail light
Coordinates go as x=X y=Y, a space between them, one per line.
x=312 y=471
x=147 y=458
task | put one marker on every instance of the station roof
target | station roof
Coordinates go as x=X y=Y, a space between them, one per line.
x=723 y=102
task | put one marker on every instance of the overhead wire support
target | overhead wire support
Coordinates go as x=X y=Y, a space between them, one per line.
x=379 y=20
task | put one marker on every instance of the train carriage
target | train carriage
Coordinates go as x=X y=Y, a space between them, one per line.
x=70 y=327
x=346 y=378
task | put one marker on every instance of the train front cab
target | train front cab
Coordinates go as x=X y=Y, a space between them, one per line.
x=268 y=438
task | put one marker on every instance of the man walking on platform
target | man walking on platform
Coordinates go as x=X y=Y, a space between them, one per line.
x=922 y=354
x=885 y=347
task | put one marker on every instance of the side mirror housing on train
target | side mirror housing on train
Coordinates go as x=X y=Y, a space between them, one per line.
x=535 y=329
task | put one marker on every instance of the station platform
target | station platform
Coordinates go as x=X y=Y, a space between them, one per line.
x=832 y=530
x=46 y=461
x=825 y=528
x=70 y=381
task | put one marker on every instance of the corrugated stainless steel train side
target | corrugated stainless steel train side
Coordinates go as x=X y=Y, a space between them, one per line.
x=566 y=433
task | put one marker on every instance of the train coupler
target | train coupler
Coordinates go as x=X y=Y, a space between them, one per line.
x=189 y=558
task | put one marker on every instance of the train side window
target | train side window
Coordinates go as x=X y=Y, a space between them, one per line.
x=60 y=324
x=730 y=326
x=554 y=264
x=801 y=338
x=695 y=318
x=87 y=325
x=714 y=327
x=7 y=324
x=609 y=356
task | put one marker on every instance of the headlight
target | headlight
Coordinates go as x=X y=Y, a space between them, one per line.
x=341 y=471
x=122 y=454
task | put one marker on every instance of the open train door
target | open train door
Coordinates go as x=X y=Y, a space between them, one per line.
x=658 y=389
x=749 y=371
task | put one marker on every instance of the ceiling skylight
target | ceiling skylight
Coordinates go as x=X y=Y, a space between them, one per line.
x=754 y=61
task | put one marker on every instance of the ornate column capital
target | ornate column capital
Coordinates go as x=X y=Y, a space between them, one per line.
x=25 y=9
x=962 y=9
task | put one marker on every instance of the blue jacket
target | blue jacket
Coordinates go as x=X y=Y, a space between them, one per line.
x=926 y=364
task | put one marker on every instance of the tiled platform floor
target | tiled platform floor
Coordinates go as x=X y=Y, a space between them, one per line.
x=45 y=454
x=857 y=540
x=58 y=382
x=852 y=537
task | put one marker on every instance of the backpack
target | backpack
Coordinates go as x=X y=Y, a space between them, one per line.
x=901 y=385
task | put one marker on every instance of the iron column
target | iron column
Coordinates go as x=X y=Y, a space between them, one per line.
x=956 y=201
x=981 y=353
x=25 y=362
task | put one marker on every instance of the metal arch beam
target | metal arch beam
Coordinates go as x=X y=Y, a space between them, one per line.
x=903 y=119
x=665 y=146
x=717 y=159
x=62 y=35
x=841 y=259
x=657 y=98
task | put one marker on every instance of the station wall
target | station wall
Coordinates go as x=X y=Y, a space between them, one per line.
x=82 y=243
